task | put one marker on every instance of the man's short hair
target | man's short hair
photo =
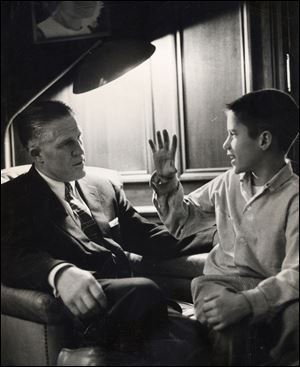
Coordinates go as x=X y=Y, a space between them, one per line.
x=268 y=109
x=30 y=122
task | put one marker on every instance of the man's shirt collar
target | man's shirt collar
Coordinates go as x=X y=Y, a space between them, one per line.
x=57 y=187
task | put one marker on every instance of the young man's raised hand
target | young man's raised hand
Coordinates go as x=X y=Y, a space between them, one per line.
x=164 y=154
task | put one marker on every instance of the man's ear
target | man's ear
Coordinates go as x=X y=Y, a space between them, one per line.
x=35 y=153
x=265 y=140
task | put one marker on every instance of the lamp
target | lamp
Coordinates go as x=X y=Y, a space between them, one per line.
x=110 y=61
x=102 y=63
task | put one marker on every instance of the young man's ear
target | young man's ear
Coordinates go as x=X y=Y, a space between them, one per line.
x=265 y=140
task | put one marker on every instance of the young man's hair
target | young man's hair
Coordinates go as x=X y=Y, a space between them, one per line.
x=31 y=121
x=268 y=109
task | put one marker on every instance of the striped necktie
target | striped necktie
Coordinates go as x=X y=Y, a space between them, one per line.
x=92 y=231
x=88 y=224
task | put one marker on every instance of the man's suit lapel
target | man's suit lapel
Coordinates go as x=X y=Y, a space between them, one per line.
x=44 y=197
x=96 y=203
x=51 y=208
x=47 y=207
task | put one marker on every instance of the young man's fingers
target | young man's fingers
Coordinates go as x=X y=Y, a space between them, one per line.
x=159 y=140
x=211 y=297
x=208 y=306
x=152 y=145
x=174 y=145
x=219 y=326
x=166 y=139
x=213 y=321
x=212 y=312
x=202 y=319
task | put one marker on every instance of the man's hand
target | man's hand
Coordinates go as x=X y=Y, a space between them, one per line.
x=81 y=292
x=163 y=155
x=224 y=309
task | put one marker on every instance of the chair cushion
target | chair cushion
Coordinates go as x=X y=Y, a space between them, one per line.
x=8 y=174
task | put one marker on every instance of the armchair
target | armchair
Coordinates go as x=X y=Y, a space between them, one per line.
x=34 y=327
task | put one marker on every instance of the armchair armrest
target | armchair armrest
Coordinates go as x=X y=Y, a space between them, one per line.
x=31 y=305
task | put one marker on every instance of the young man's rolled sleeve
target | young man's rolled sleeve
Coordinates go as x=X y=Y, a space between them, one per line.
x=258 y=302
x=163 y=186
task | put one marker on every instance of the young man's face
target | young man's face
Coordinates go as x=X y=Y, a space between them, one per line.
x=243 y=151
x=61 y=152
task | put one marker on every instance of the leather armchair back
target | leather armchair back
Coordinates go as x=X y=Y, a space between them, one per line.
x=13 y=172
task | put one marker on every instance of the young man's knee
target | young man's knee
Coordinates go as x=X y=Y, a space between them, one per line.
x=290 y=319
x=197 y=286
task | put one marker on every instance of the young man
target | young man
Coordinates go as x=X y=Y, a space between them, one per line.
x=251 y=275
x=65 y=230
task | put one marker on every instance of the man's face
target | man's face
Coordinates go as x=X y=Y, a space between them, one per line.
x=61 y=153
x=243 y=151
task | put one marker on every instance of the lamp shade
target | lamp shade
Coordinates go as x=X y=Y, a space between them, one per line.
x=109 y=61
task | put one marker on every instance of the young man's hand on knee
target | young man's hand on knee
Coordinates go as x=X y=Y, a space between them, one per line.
x=225 y=308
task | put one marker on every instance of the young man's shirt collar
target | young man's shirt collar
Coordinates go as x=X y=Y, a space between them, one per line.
x=277 y=180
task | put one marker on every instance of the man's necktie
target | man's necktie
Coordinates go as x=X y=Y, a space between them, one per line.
x=92 y=231
x=87 y=222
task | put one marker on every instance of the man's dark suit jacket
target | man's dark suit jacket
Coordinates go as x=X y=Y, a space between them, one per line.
x=35 y=238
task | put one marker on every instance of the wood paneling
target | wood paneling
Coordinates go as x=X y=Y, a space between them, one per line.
x=212 y=76
x=164 y=88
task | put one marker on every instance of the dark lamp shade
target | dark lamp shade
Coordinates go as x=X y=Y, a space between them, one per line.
x=109 y=61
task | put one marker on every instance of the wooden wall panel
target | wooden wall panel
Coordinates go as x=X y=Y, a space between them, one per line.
x=212 y=76
x=164 y=88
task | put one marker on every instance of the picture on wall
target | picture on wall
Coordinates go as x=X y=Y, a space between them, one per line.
x=69 y=20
